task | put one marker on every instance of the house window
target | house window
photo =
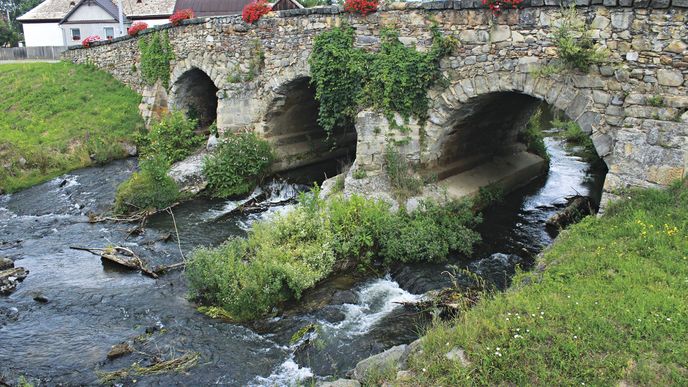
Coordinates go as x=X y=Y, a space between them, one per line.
x=109 y=32
x=76 y=33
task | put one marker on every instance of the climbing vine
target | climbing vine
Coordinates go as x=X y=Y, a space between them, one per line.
x=337 y=71
x=395 y=79
x=156 y=54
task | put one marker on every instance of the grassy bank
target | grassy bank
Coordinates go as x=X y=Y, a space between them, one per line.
x=58 y=117
x=611 y=306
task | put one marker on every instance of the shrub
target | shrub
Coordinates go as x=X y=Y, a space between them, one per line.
x=497 y=6
x=254 y=11
x=173 y=138
x=150 y=188
x=182 y=14
x=89 y=40
x=136 y=28
x=294 y=251
x=362 y=7
x=430 y=233
x=237 y=165
x=574 y=135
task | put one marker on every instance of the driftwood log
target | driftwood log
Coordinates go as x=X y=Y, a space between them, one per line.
x=576 y=209
x=126 y=258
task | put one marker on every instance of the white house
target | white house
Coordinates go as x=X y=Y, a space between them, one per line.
x=68 y=22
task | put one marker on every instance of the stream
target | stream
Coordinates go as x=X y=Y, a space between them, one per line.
x=91 y=307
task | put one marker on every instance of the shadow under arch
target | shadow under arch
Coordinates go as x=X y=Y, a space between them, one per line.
x=195 y=94
x=291 y=125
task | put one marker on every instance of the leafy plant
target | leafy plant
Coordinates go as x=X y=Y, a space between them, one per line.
x=150 y=188
x=173 y=138
x=573 y=43
x=532 y=135
x=156 y=54
x=237 y=165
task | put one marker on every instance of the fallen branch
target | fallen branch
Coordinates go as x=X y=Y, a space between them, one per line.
x=121 y=256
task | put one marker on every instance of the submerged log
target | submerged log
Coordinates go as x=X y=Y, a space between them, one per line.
x=577 y=208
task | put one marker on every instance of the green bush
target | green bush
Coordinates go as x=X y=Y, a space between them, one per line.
x=293 y=252
x=574 y=135
x=150 y=188
x=430 y=233
x=173 y=138
x=237 y=165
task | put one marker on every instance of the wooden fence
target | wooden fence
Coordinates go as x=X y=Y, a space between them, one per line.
x=28 y=53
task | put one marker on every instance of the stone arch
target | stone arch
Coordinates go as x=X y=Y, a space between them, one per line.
x=503 y=101
x=194 y=92
x=290 y=122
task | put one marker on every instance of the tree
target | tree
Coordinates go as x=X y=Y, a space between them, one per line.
x=10 y=30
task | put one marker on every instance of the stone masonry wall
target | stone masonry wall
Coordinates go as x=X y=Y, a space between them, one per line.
x=635 y=107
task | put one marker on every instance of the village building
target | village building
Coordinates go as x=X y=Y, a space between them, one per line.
x=68 y=22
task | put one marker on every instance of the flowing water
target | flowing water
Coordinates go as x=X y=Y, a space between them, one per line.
x=92 y=307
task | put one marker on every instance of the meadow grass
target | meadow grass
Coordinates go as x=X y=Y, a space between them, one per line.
x=57 y=117
x=611 y=306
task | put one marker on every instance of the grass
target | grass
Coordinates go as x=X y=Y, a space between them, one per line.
x=574 y=135
x=610 y=306
x=59 y=117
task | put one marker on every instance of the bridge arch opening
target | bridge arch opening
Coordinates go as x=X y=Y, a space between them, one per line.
x=291 y=124
x=196 y=94
x=486 y=140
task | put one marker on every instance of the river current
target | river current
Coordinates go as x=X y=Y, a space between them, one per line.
x=92 y=307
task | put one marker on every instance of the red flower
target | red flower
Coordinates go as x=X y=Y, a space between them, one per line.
x=136 y=28
x=496 y=6
x=87 y=42
x=180 y=15
x=254 y=11
x=363 y=7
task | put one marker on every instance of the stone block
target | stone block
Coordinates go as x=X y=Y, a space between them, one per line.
x=667 y=77
x=622 y=20
x=680 y=3
x=660 y=3
x=538 y=3
x=626 y=3
x=641 y=3
x=500 y=33
x=552 y=2
x=582 y=3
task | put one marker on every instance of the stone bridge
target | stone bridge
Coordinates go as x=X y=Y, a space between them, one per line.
x=634 y=107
